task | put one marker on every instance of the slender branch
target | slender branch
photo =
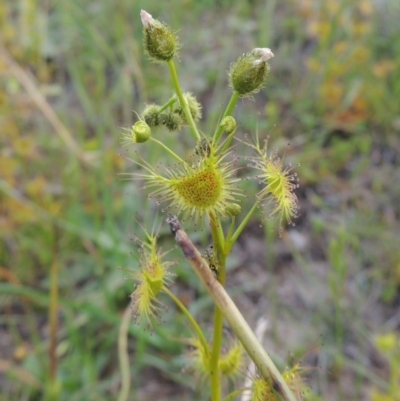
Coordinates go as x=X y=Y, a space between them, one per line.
x=228 y=142
x=231 y=313
x=231 y=240
x=173 y=154
x=189 y=316
x=215 y=352
x=219 y=244
x=228 y=111
x=182 y=101
x=168 y=104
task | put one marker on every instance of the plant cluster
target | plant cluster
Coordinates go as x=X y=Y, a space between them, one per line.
x=204 y=189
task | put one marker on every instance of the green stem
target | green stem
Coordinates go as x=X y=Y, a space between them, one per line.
x=235 y=393
x=173 y=154
x=228 y=112
x=182 y=101
x=228 y=142
x=219 y=243
x=231 y=314
x=166 y=105
x=218 y=239
x=189 y=316
x=231 y=240
x=214 y=361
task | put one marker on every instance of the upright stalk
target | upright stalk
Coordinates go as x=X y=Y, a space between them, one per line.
x=230 y=312
x=228 y=112
x=182 y=101
x=219 y=242
x=192 y=321
x=230 y=241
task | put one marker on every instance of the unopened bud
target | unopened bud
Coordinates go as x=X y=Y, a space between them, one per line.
x=151 y=115
x=247 y=75
x=172 y=121
x=263 y=53
x=233 y=209
x=229 y=124
x=159 y=41
x=203 y=148
x=194 y=107
x=140 y=132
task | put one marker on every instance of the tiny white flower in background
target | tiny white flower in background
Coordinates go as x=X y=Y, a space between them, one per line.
x=147 y=19
x=264 y=54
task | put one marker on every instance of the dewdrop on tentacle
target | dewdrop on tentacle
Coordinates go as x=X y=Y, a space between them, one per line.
x=153 y=277
x=279 y=184
x=230 y=361
x=195 y=190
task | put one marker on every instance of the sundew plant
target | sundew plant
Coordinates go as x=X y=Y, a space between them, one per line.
x=204 y=191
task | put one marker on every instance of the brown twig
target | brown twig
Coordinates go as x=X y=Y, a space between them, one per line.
x=231 y=313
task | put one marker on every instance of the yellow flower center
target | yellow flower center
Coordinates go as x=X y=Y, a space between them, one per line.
x=202 y=189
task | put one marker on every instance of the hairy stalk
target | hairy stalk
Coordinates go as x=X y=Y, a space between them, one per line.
x=189 y=316
x=173 y=154
x=219 y=244
x=228 y=142
x=188 y=114
x=216 y=349
x=228 y=112
x=230 y=312
x=219 y=241
x=168 y=104
x=230 y=241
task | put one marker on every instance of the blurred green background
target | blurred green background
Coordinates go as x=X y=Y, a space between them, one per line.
x=71 y=74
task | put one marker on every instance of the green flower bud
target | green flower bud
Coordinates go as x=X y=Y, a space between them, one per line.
x=229 y=124
x=233 y=209
x=160 y=42
x=140 y=132
x=194 y=107
x=172 y=121
x=247 y=75
x=152 y=115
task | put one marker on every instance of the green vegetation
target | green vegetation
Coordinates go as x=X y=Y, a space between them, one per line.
x=73 y=72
